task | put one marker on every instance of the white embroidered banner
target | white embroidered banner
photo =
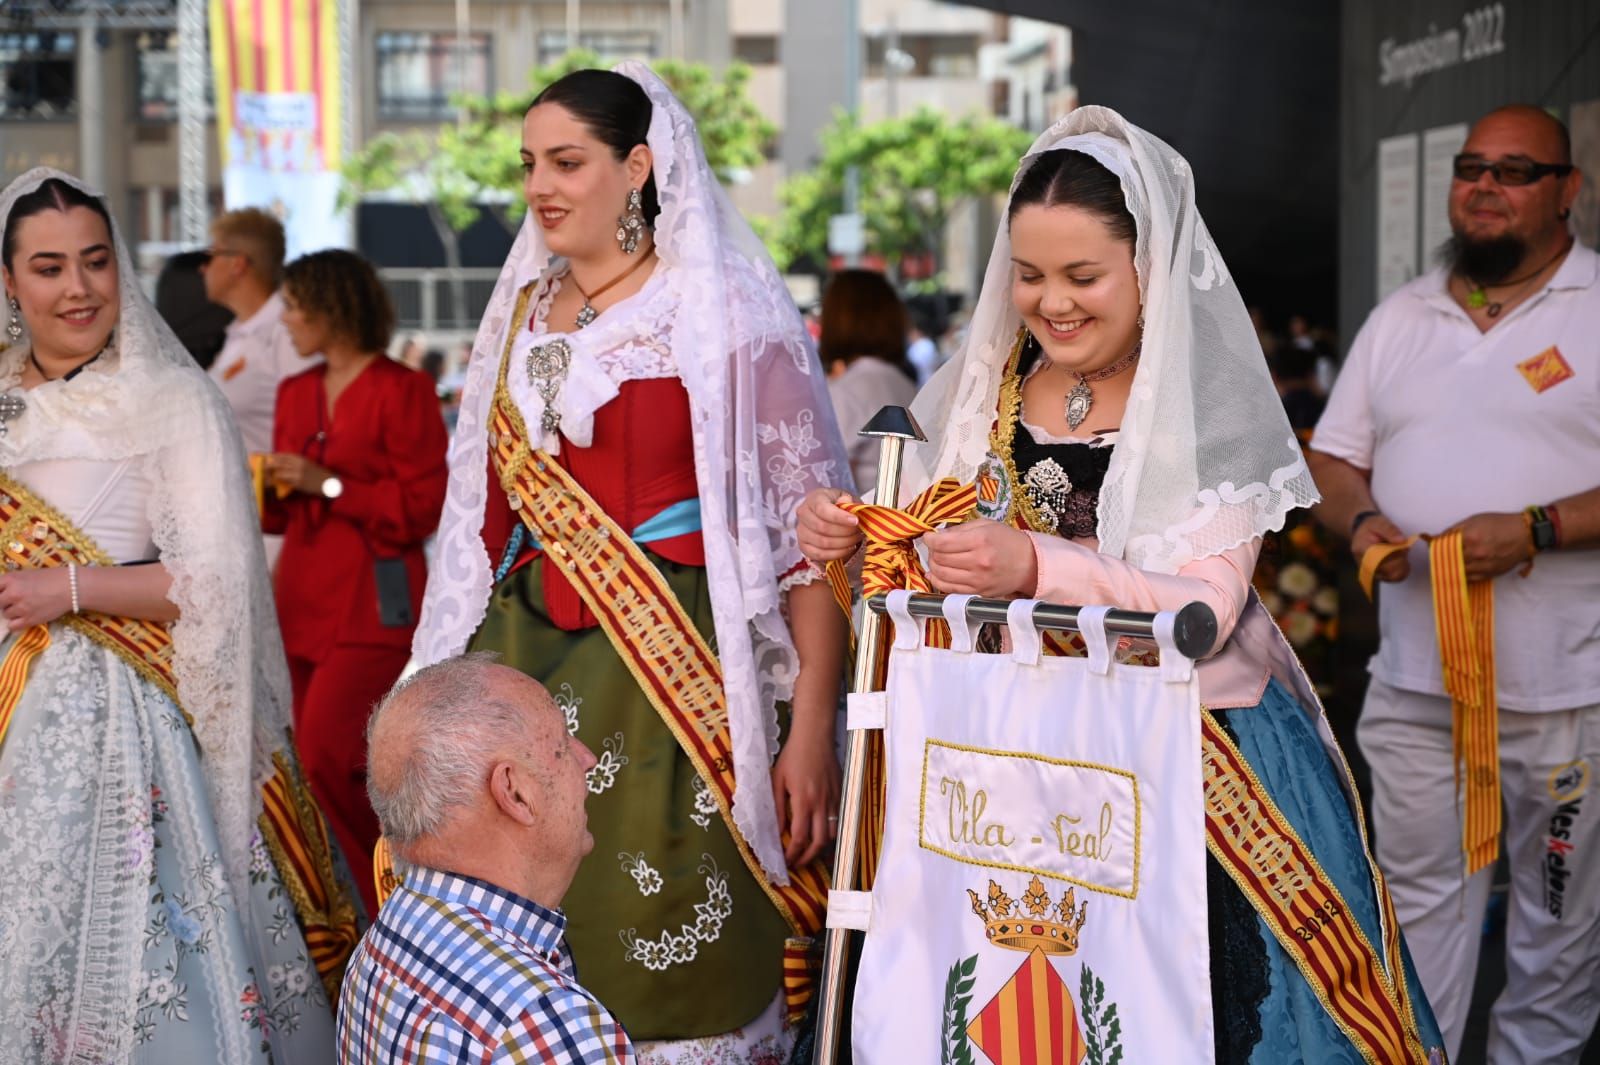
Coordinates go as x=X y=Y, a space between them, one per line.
x=1041 y=897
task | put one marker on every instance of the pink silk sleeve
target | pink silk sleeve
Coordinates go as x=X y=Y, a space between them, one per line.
x=1070 y=572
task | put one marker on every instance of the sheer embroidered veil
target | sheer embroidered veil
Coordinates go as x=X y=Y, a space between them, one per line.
x=147 y=398
x=764 y=436
x=1205 y=459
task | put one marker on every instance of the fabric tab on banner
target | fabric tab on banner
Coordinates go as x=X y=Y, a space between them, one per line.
x=1092 y=624
x=907 y=629
x=955 y=615
x=1026 y=643
x=866 y=710
x=850 y=909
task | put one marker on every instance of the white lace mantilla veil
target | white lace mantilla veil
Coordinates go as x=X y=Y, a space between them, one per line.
x=147 y=397
x=1205 y=459
x=764 y=435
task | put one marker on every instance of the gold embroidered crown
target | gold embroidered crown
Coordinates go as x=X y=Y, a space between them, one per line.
x=1035 y=922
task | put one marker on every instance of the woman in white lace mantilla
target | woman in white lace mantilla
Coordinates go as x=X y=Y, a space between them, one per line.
x=1114 y=411
x=147 y=918
x=640 y=339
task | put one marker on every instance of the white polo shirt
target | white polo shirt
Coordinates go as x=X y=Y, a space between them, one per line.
x=255 y=358
x=1453 y=422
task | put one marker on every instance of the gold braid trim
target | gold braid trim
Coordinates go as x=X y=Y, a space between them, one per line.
x=35 y=535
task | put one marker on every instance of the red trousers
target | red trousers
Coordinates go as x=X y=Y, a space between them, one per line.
x=332 y=701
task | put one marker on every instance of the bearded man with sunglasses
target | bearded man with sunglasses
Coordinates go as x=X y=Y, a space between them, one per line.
x=1470 y=401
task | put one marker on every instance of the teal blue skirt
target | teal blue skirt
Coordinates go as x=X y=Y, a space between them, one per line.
x=1265 y=1011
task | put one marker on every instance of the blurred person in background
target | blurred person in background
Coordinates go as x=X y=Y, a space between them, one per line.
x=242 y=270
x=863 y=346
x=643 y=402
x=922 y=350
x=358 y=461
x=1297 y=575
x=150 y=917
x=1294 y=371
x=1265 y=334
x=201 y=325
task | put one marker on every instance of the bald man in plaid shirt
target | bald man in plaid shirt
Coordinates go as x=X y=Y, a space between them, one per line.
x=480 y=791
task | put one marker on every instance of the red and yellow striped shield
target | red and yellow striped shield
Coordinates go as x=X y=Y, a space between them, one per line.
x=1031 y=1021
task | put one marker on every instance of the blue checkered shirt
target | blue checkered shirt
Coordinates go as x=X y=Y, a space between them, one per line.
x=457 y=970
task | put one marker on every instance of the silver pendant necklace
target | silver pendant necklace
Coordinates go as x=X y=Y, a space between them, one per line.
x=588 y=313
x=1081 y=398
x=12 y=405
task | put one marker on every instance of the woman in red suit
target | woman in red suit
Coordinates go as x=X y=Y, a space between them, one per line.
x=359 y=464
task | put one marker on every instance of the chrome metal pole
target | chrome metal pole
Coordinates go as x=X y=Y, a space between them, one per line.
x=1194 y=629
x=893 y=426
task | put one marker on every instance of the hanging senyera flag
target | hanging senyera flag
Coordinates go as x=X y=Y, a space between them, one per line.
x=1041 y=896
x=278 y=73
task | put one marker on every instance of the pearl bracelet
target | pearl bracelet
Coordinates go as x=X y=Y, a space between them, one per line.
x=72 y=582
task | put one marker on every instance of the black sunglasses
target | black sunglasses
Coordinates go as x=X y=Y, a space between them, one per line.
x=208 y=254
x=1507 y=171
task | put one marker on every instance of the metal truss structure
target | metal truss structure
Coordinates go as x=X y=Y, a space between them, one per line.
x=188 y=17
x=75 y=14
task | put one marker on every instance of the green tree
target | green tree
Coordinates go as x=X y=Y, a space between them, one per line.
x=913 y=169
x=459 y=167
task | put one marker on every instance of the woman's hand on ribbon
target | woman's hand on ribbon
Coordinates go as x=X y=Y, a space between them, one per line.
x=1492 y=544
x=827 y=533
x=34 y=597
x=805 y=787
x=1380 y=530
x=982 y=557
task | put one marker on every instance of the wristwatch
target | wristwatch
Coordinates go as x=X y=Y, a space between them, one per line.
x=1541 y=528
x=331 y=488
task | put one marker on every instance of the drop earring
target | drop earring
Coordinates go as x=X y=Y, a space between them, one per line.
x=14 y=326
x=630 y=224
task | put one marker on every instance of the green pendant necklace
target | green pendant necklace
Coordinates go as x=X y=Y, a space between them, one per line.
x=1478 y=295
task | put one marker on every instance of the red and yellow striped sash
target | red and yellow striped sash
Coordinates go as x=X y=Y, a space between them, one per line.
x=14 y=671
x=1463 y=616
x=1248 y=835
x=34 y=535
x=891 y=562
x=297 y=838
x=1463 y=613
x=653 y=635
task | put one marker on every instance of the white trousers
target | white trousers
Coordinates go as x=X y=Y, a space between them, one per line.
x=1548 y=763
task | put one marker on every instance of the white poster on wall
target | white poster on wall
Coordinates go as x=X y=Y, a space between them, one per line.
x=1439 y=148
x=1584 y=122
x=1397 y=212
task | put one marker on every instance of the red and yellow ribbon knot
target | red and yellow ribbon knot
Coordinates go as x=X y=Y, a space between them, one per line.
x=891 y=560
x=1463 y=615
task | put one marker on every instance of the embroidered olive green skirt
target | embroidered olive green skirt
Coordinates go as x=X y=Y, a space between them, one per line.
x=666 y=924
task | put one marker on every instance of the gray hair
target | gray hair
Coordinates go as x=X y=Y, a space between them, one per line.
x=456 y=727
